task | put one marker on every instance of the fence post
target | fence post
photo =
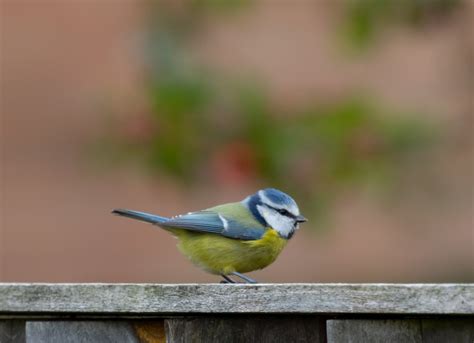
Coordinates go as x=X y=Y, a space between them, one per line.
x=36 y=313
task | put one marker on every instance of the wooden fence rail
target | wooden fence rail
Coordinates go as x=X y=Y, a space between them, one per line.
x=50 y=313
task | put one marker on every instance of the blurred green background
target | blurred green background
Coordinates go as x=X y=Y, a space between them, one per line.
x=360 y=109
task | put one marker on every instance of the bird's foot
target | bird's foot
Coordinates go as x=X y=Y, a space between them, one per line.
x=227 y=279
x=244 y=277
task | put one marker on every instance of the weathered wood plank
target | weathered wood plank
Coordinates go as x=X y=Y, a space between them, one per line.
x=374 y=331
x=12 y=331
x=448 y=330
x=158 y=299
x=268 y=329
x=408 y=330
x=80 y=332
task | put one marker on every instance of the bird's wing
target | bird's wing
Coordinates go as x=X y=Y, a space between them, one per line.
x=214 y=222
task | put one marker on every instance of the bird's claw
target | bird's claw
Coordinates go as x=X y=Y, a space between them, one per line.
x=245 y=278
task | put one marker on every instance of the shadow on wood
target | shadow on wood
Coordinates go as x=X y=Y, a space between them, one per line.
x=264 y=329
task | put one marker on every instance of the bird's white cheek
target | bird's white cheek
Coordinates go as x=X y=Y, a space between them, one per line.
x=282 y=224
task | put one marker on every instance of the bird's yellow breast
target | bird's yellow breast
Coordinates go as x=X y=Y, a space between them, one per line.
x=221 y=255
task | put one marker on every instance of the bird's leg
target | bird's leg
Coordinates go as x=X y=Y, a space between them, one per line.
x=244 y=277
x=227 y=279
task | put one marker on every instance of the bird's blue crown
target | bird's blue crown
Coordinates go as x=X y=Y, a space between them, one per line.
x=271 y=194
x=277 y=197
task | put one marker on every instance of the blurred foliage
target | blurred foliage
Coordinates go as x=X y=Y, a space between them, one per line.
x=365 y=19
x=204 y=128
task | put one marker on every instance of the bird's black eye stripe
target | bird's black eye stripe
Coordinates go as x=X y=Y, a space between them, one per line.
x=283 y=211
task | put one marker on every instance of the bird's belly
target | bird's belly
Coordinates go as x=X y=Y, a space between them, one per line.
x=221 y=255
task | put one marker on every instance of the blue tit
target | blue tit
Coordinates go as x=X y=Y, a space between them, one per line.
x=234 y=238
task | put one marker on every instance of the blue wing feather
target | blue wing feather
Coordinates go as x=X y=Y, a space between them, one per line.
x=211 y=222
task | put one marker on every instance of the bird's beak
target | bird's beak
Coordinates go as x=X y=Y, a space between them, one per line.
x=301 y=219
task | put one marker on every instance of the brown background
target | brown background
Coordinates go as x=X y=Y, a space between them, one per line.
x=62 y=61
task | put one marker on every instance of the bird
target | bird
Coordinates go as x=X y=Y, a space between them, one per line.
x=234 y=238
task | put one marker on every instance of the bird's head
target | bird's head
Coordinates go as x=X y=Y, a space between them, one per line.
x=277 y=210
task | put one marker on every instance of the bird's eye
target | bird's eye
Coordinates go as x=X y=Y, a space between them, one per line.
x=282 y=211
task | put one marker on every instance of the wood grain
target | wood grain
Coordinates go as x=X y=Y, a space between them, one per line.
x=12 y=331
x=374 y=331
x=80 y=332
x=448 y=330
x=157 y=299
x=442 y=330
x=283 y=329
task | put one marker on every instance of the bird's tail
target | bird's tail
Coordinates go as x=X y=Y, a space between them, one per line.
x=144 y=217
